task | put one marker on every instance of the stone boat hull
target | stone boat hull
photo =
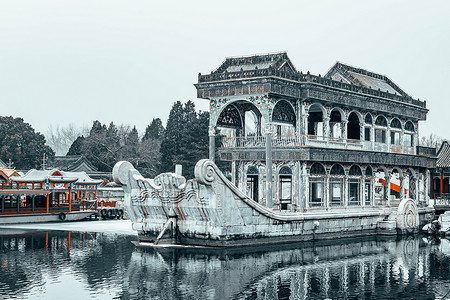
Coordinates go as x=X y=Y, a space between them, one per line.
x=210 y=211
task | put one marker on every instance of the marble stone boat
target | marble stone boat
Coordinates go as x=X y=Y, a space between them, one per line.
x=210 y=211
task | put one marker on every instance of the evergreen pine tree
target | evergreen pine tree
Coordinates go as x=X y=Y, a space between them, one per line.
x=155 y=130
x=76 y=147
x=171 y=146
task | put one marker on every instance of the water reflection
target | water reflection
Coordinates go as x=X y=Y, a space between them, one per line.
x=77 y=265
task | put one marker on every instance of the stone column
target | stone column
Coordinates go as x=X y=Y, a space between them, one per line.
x=372 y=136
x=212 y=142
x=296 y=186
x=416 y=182
x=362 y=195
x=402 y=135
x=387 y=189
x=326 y=190
x=345 y=190
x=427 y=187
x=361 y=131
x=344 y=129
x=401 y=178
x=269 y=185
x=305 y=185
x=372 y=191
x=388 y=138
x=233 y=172
x=326 y=126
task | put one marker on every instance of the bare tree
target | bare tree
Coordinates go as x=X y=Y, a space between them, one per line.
x=431 y=140
x=60 y=138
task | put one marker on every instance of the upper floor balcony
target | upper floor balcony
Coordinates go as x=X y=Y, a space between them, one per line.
x=287 y=141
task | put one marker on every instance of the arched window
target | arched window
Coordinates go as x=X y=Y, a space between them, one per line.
x=230 y=117
x=315 y=120
x=337 y=170
x=353 y=128
x=252 y=183
x=409 y=126
x=367 y=128
x=285 y=190
x=336 y=123
x=396 y=127
x=369 y=171
x=380 y=130
x=283 y=113
x=408 y=138
x=317 y=169
x=354 y=184
x=381 y=121
x=316 y=185
x=395 y=123
x=355 y=171
x=336 y=185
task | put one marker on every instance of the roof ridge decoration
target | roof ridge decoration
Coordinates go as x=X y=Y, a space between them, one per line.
x=275 y=61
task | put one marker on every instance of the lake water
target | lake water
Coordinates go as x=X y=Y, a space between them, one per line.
x=50 y=264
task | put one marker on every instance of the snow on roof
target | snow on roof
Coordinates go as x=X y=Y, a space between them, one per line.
x=34 y=175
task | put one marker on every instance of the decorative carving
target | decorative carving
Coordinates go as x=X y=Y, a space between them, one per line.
x=216 y=104
x=407 y=215
x=283 y=113
x=230 y=117
x=120 y=172
x=204 y=172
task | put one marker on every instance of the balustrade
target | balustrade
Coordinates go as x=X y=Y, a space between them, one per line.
x=313 y=140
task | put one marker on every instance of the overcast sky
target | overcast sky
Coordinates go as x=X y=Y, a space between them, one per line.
x=76 y=61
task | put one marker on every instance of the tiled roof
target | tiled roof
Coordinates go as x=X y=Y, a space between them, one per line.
x=7 y=173
x=42 y=175
x=443 y=155
x=278 y=61
x=363 y=78
x=71 y=163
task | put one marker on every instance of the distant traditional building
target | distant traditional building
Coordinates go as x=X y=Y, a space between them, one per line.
x=72 y=163
x=6 y=174
x=440 y=187
x=61 y=183
x=345 y=140
x=77 y=163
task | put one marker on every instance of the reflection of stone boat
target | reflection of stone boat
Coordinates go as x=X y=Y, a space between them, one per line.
x=210 y=210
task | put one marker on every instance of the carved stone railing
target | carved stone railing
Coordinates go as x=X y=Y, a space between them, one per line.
x=308 y=78
x=426 y=151
x=442 y=199
x=285 y=141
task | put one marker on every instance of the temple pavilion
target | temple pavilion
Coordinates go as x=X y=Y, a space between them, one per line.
x=297 y=141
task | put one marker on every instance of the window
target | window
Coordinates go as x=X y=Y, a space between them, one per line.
x=285 y=187
x=408 y=140
x=353 y=192
x=367 y=134
x=251 y=188
x=395 y=138
x=380 y=136
x=316 y=192
x=367 y=194
x=336 y=192
x=285 y=191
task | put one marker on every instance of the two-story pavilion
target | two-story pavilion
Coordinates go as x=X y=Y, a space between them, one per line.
x=337 y=140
